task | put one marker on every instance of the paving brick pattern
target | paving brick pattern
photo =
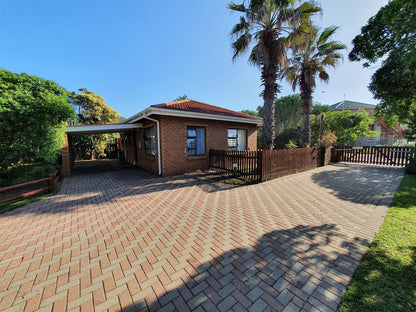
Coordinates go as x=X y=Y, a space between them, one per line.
x=131 y=241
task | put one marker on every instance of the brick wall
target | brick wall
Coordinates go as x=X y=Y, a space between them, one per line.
x=173 y=132
x=66 y=158
x=174 y=142
x=135 y=148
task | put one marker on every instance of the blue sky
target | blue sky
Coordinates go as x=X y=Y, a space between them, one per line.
x=137 y=53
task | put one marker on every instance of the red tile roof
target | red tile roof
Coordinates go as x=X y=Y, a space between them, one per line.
x=199 y=107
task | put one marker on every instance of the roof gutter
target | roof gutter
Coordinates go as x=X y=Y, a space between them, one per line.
x=158 y=140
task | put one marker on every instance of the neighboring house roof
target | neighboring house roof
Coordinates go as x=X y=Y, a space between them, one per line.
x=344 y=105
x=195 y=109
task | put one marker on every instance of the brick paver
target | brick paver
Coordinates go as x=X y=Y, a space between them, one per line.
x=128 y=240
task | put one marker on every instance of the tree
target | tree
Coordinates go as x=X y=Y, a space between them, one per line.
x=287 y=109
x=265 y=23
x=311 y=54
x=91 y=109
x=348 y=126
x=319 y=109
x=251 y=112
x=33 y=116
x=288 y=120
x=390 y=36
x=181 y=98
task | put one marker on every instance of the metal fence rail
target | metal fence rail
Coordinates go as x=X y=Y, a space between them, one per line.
x=373 y=155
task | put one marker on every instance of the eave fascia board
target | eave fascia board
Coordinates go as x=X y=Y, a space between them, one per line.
x=91 y=129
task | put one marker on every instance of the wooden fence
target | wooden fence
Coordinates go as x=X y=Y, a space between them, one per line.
x=373 y=155
x=265 y=165
x=278 y=163
x=244 y=164
x=50 y=183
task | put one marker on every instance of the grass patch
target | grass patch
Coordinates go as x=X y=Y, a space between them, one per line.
x=21 y=202
x=386 y=278
x=25 y=201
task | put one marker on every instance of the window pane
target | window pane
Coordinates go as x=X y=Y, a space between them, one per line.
x=191 y=132
x=192 y=143
x=200 y=141
x=232 y=142
x=232 y=139
x=149 y=141
x=232 y=133
x=241 y=140
x=196 y=141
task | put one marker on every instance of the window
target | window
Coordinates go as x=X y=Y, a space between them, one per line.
x=237 y=139
x=196 y=141
x=149 y=141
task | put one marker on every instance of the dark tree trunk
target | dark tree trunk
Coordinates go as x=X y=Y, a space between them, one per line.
x=269 y=77
x=306 y=97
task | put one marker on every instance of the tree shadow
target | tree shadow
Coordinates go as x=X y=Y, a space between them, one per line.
x=285 y=270
x=360 y=183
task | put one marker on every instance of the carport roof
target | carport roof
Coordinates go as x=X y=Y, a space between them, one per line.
x=100 y=128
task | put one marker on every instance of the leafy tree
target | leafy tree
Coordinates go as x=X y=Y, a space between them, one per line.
x=181 y=98
x=251 y=112
x=33 y=115
x=319 y=109
x=287 y=109
x=266 y=23
x=390 y=36
x=311 y=53
x=348 y=126
x=283 y=138
x=91 y=109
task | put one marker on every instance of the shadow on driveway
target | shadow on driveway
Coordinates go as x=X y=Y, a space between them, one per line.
x=361 y=184
x=289 y=270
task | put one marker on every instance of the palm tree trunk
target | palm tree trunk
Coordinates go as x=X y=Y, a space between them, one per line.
x=269 y=77
x=306 y=97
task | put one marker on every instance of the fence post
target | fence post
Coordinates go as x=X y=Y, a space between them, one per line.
x=52 y=183
x=260 y=164
x=210 y=159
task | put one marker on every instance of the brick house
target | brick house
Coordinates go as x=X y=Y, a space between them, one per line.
x=175 y=138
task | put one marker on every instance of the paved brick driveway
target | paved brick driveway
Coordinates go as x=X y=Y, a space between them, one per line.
x=131 y=241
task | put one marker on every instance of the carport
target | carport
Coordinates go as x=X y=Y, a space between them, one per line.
x=67 y=155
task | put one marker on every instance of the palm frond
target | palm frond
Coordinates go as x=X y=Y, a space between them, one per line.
x=326 y=34
x=309 y=8
x=323 y=75
x=291 y=73
x=329 y=60
x=338 y=46
x=241 y=45
x=237 y=7
x=241 y=27
x=255 y=57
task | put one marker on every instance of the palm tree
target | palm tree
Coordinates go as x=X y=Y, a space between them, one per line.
x=181 y=98
x=311 y=54
x=265 y=23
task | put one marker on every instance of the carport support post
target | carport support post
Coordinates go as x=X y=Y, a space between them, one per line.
x=66 y=157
